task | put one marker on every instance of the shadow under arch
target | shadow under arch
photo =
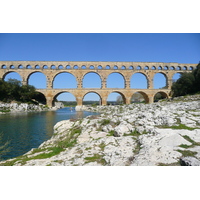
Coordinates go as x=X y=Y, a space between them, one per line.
x=91 y=80
x=114 y=98
x=92 y=100
x=141 y=94
x=58 y=81
x=160 y=95
x=39 y=97
x=33 y=78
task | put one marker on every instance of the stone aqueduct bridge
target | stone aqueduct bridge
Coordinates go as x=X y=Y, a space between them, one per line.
x=79 y=69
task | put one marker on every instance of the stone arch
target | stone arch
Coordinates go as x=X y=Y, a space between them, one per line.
x=162 y=95
x=3 y=67
x=75 y=67
x=176 y=76
x=141 y=94
x=178 y=68
x=59 y=79
x=107 y=67
x=89 y=83
x=184 y=68
x=115 y=67
x=20 y=67
x=146 y=68
x=160 y=80
x=172 y=68
x=53 y=67
x=65 y=96
x=153 y=68
x=138 y=67
x=112 y=98
x=115 y=78
x=13 y=75
x=141 y=82
x=68 y=67
x=99 y=67
x=28 y=67
x=93 y=95
x=123 y=67
x=37 y=67
x=12 y=67
x=91 y=67
x=131 y=67
x=40 y=97
x=60 y=67
x=33 y=78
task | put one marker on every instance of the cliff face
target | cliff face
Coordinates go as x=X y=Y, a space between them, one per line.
x=163 y=133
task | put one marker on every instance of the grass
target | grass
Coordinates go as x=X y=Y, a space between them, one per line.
x=96 y=158
x=105 y=122
x=180 y=126
x=186 y=153
x=189 y=140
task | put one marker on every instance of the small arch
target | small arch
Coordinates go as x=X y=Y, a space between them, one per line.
x=60 y=67
x=160 y=95
x=172 y=68
x=37 y=67
x=131 y=68
x=115 y=67
x=139 y=97
x=138 y=67
x=91 y=80
x=178 y=68
x=20 y=67
x=107 y=66
x=28 y=67
x=116 y=98
x=75 y=67
x=123 y=67
x=91 y=67
x=45 y=67
x=184 y=68
x=68 y=67
x=53 y=67
x=12 y=67
x=191 y=68
x=92 y=98
x=83 y=67
x=3 y=67
x=153 y=68
x=166 y=68
x=99 y=67
x=146 y=68
x=159 y=68
x=115 y=80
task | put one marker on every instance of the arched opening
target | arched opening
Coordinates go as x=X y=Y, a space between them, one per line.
x=60 y=67
x=191 y=68
x=178 y=68
x=83 y=67
x=66 y=98
x=138 y=68
x=68 y=67
x=64 y=80
x=91 y=67
x=139 y=97
x=28 y=67
x=138 y=81
x=160 y=81
x=115 y=67
x=99 y=67
x=175 y=77
x=39 y=98
x=20 y=67
x=37 y=67
x=33 y=80
x=3 y=67
x=165 y=68
x=146 y=68
x=159 y=68
x=131 y=67
x=172 y=68
x=53 y=67
x=92 y=98
x=115 y=80
x=75 y=67
x=184 y=68
x=45 y=67
x=159 y=96
x=12 y=67
x=91 y=80
x=116 y=98
x=12 y=75
x=153 y=68
x=107 y=67
x=123 y=67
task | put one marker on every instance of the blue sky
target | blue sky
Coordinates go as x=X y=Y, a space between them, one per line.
x=145 y=47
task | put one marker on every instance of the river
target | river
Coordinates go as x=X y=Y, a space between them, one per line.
x=24 y=131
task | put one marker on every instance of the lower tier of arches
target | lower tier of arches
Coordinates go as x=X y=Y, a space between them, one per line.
x=148 y=95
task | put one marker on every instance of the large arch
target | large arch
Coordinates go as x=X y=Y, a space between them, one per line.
x=160 y=81
x=66 y=97
x=64 y=80
x=115 y=80
x=160 y=95
x=40 y=98
x=12 y=75
x=92 y=98
x=91 y=80
x=33 y=80
x=115 y=98
x=176 y=76
x=139 y=97
x=139 y=81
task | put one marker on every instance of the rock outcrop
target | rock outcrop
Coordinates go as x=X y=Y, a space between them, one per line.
x=163 y=133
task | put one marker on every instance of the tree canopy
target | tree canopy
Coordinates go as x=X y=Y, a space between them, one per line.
x=188 y=83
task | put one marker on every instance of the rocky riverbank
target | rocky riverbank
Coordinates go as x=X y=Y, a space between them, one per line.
x=163 y=133
x=25 y=107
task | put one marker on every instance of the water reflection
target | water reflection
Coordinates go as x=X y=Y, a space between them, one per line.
x=25 y=131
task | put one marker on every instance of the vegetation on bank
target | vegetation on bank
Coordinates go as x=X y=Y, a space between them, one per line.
x=13 y=90
x=188 y=83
